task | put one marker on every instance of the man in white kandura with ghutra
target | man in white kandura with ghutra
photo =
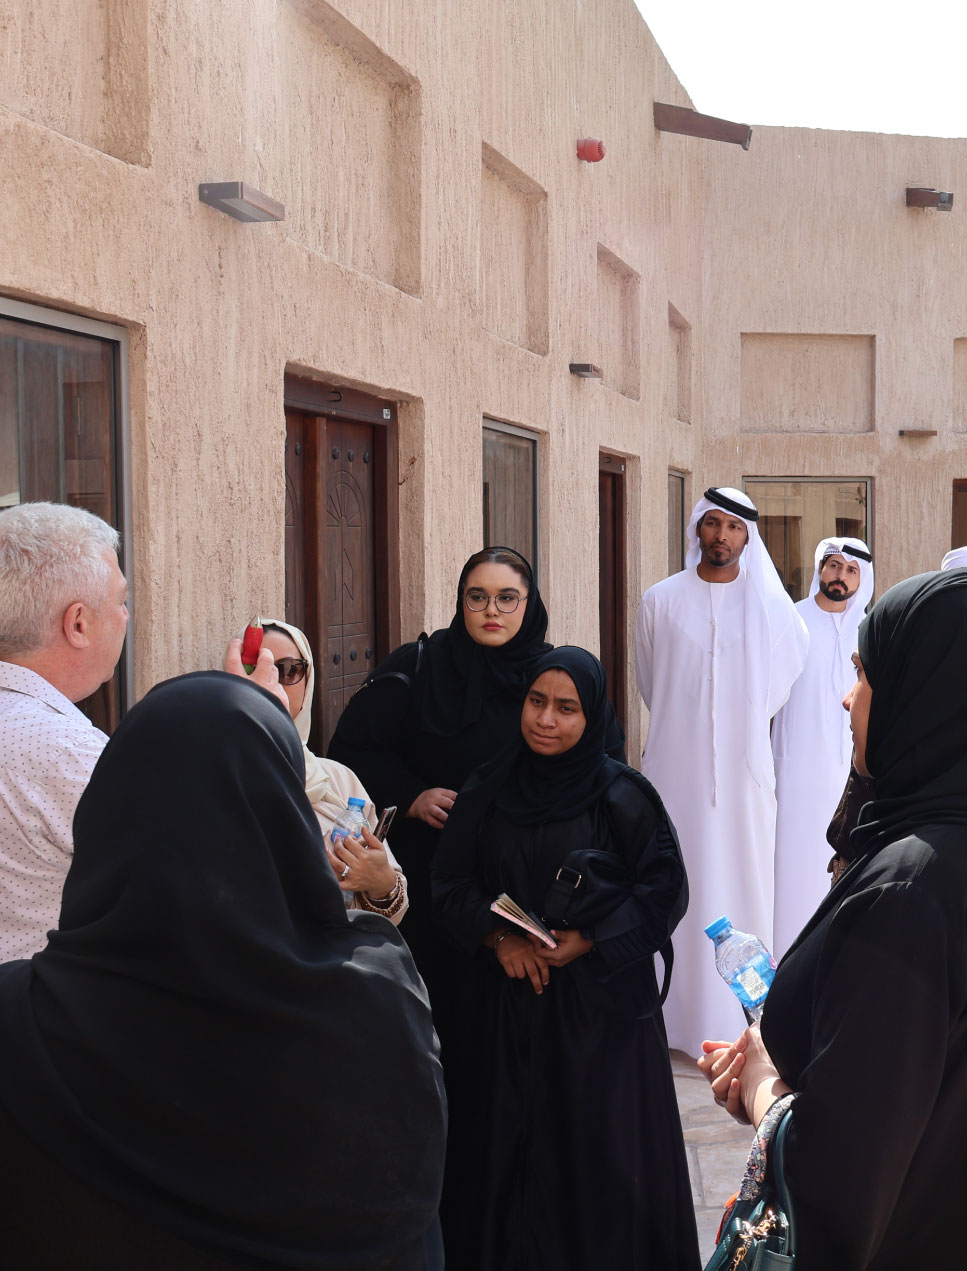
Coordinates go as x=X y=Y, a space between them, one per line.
x=811 y=738
x=718 y=647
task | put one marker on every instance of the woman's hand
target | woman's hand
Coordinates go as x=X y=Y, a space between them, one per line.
x=515 y=953
x=743 y=1077
x=721 y=1064
x=570 y=945
x=432 y=806
x=369 y=870
x=265 y=674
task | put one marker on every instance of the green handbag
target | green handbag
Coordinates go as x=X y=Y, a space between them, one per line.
x=758 y=1231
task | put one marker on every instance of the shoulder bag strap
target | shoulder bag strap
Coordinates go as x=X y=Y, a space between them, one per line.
x=777 y=1150
x=399 y=675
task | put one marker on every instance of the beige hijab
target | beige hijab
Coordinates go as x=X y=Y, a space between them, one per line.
x=318 y=786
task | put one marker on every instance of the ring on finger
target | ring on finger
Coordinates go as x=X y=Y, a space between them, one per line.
x=345 y=873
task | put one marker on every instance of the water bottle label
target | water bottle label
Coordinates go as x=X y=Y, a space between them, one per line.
x=753 y=983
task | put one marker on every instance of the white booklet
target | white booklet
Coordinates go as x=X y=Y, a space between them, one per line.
x=510 y=910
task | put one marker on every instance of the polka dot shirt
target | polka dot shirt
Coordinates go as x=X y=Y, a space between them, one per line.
x=48 y=750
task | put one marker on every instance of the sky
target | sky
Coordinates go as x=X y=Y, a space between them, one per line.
x=853 y=64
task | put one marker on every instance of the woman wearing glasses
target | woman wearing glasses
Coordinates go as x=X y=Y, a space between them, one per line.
x=369 y=875
x=436 y=709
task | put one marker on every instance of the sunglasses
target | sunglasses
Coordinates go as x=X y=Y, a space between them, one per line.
x=291 y=670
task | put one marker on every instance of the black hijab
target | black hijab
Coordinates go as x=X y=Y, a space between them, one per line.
x=913 y=646
x=532 y=789
x=458 y=676
x=209 y=1038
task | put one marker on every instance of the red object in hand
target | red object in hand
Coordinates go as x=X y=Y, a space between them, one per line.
x=591 y=149
x=251 y=643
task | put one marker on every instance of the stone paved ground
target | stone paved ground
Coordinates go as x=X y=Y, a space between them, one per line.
x=716 y=1146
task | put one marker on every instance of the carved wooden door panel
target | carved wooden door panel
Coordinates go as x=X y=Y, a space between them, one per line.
x=341 y=537
x=349 y=589
x=296 y=428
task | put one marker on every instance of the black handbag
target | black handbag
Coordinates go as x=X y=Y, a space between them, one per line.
x=758 y=1231
x=588 y=887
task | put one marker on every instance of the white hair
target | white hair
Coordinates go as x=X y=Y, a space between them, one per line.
x=51 y=555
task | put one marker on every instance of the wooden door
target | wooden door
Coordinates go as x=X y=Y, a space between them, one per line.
x=295 y=511
x=341 y=548
x=349 y=591
x=958 y=519
x=611 y=574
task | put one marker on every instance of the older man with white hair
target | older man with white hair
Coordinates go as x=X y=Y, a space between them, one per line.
x=63 y=618
x=718 y=647
x=811 y=738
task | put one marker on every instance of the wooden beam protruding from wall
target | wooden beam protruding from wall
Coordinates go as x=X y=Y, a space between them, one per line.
x=691 y=124
x=919 y=196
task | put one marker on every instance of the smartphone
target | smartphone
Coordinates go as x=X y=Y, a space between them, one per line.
x=385 y=821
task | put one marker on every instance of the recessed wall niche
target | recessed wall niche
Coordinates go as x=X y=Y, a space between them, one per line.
x=619 y=323
x=80 y=68
x=808 y=383
x=513 y=253
x=678 y=371
x=960 y=386
x=354 y=171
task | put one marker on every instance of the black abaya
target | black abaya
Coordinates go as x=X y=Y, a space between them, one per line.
x=380 y=737
x=565 y=1147
x=867 y=1016
x=427 y=716
x=209 y=1040
x=867 y=1019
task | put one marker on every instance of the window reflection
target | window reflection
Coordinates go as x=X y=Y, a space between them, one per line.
x=795 y=515
x=58 y=437
x=510 y=490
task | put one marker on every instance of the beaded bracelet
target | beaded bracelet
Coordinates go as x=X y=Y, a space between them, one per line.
x=387 y=906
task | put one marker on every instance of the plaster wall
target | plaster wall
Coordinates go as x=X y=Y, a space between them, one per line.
x=444 y=248
x=810 y=237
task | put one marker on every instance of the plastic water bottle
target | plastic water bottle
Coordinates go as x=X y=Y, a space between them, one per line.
x=349 y=824
x=744 y=963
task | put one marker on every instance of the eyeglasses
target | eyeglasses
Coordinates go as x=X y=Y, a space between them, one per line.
x=507 y=601
x=291 y=670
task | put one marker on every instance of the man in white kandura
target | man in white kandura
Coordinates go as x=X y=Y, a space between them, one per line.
x=718 y=647
x=811 y=738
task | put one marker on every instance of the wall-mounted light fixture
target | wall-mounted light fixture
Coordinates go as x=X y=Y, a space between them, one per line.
x=585 y=370
x=242 y=201
x=919 y=196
